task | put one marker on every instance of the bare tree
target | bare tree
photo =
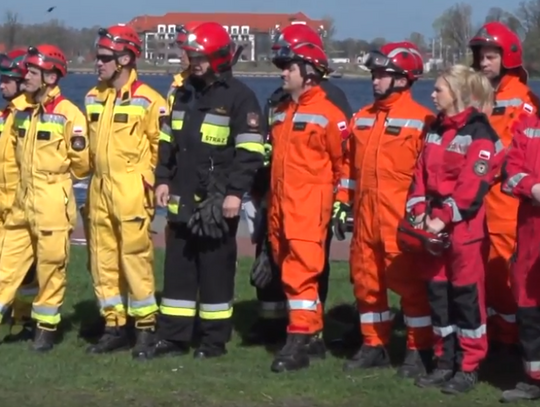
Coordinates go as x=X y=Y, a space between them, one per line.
x=329 y=32
x=528 y=13
x=507 y=18
x=455 y=28
x=419 y=40
x=10 y=29
x=377 y=43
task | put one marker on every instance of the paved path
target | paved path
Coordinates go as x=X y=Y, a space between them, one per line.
x=340 y=250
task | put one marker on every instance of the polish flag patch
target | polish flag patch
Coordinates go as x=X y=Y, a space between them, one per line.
x=342 y=126
x=528 y=108
x=484 y=155
x=162 y=110
x=77 y=129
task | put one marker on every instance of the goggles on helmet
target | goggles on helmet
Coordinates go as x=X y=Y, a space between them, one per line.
x=376 y=60
x=6 y=63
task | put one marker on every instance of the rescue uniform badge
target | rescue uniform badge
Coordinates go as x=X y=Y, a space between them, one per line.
x=253 y=120
x=481 y=168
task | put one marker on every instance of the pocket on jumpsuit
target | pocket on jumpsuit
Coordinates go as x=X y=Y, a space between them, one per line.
x=54 y=225
x=138 y=212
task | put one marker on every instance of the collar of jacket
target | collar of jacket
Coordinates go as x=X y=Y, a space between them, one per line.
x=508 y=81
x=460 y=119
x=309 y=95
x=26 y=101
x=104 y=90
x=179 y=78
x=393 y=99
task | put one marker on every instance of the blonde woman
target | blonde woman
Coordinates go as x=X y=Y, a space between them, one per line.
x=454 y=172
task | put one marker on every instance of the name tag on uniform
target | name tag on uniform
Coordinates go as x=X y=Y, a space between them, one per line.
x=43 y=135
x=21 y=132
x=392 y=130
x=299 y=126
x=94 y=117
x=121 y=118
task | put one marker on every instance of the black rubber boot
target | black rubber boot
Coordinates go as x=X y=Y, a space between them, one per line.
x=114 y=339
x=368 y=357
x=437 y=378
x=316 y=348
x=294 y=355
x=168 y=348
x=417 y=363
x=523 y=392
x=267 y=332
x=21 y=331
x=206 y=351
x=462 y=382
x=144 y=343
x=44 y=336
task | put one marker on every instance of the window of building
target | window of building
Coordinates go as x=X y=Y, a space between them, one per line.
x=245 y=30
x=235 y=29
x=172 y=28
x=226 y=28
x=161 y=28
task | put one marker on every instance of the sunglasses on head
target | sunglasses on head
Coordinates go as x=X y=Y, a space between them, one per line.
x=105 y=58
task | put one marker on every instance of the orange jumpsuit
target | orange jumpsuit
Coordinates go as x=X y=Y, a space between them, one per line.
x=306 y=163
x=512 y=98
x=386 y=139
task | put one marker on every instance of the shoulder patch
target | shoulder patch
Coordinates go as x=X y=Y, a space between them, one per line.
x=253 y=120
x=484 y=155
x=162 y=110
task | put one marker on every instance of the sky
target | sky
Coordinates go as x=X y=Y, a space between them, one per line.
x=366 y=19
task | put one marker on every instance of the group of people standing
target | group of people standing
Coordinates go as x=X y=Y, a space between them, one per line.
x=432 y=197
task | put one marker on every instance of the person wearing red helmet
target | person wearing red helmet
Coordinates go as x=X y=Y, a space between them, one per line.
x=206 y=165
x=12 y=73
x=124 y=116
x=52 y=130
x=306 y=131
x=181 y=37
x=270 y=327
x=521 y=180
x=497 y=52
x=387 y=136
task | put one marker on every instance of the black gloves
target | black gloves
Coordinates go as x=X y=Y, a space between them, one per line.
x=339 y=219
x=207 y=220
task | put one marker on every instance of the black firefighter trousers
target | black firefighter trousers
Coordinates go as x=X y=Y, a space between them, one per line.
x=272 y=299
x=198 y=281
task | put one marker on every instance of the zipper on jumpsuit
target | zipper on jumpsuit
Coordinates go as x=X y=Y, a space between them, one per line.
x=285 y=156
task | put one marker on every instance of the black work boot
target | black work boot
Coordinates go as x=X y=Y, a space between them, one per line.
x=144 y=342
x=113 y=339
x=417 y=363
x=210 y=350
x=294 y=355
x=437 y=378
x=44 y=336
x=316 y=348
x=523 y=392
x=368 y=357
x=267 y=332
x=462 y=382
x=165 y=347
x=20 y=331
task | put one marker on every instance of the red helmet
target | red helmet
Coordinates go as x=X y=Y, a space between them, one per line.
x=185 y=29
x=399 y=57
x=212 y=41
x=120 y=38
x=303 y=52
x=499 y=35
x=47 y=57
x=295 y=34
x=11 y=64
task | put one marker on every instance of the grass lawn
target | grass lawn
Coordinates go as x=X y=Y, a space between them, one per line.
x=67 y=377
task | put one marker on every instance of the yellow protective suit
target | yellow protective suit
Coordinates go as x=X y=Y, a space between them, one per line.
x=178 y=81
x=51 y=145
x=9 y=179
x=124 y=133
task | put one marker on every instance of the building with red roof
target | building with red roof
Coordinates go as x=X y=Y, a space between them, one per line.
x=251 y=30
